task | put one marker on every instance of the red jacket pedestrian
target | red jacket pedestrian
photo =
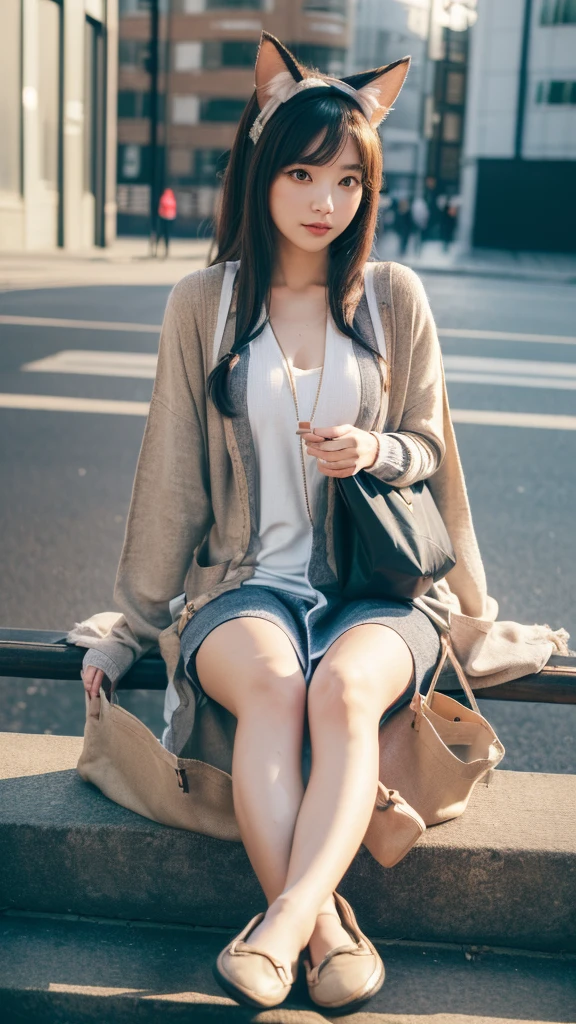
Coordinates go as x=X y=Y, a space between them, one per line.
x=166 y=214
x=167 y=205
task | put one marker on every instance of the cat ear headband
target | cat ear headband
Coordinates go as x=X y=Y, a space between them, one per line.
x=279 y=76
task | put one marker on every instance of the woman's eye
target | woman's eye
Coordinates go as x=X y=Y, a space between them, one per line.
x=350 y=178
x=299 y=170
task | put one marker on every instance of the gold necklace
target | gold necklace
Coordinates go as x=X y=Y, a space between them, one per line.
x=295 y=399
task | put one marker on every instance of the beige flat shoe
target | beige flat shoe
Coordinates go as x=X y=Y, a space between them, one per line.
x=251 y=976
x=348 y=975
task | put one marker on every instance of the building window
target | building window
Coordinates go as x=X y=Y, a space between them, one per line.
x=185 y=109
x=328 y=59
x=134 y=55
x=255 y=5
x=556 y=93
x=558 y=12
x=233 y=53
x=207 y=163
x=137 y=104
x=187 y=56
x=127 y=7
x=49 y=91
x=333 y=6
x=130 y=162
x=451 y=127
x=455 y=88
x=450 y=163
x=456 y=47
x=222 y=109
x=10 y=95
x=133 y=199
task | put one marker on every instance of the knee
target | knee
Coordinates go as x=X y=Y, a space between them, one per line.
x=275 y=689
x=343 y=689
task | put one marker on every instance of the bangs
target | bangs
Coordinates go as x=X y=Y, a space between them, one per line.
x=317 y=130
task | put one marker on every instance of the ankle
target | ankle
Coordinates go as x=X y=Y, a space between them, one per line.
x=328 y=909
x=294 y=914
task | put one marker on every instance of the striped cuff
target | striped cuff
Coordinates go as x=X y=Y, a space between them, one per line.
x=393 y=457
x=97 y=659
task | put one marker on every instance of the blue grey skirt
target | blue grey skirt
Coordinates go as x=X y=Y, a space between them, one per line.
x=313 y=626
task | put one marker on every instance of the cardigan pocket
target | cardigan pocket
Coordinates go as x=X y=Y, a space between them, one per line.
x=204 y=574
x=201 y=579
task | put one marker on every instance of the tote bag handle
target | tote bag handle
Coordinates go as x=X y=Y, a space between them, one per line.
x=447 y=652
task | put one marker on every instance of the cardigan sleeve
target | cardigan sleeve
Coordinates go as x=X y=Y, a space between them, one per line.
x=417 y=448
x=396 y=457
x=170 y=507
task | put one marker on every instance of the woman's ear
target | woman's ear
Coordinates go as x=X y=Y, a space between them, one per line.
x=271 y=59
x=381 y=87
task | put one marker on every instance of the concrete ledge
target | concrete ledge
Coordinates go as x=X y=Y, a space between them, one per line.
x=66 y=970
x=504 y=874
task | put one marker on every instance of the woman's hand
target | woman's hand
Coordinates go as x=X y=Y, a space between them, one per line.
x=93 y=679
x=345 y=450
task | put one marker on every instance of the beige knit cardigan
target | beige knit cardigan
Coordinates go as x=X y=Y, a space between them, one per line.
x=188 y=526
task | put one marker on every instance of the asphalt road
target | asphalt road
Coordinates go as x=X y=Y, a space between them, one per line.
x=67 y=473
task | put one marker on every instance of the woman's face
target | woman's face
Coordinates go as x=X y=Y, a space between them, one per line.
x=305 y=194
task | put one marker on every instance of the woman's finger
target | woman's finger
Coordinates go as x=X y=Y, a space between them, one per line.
x=97 y=683
x=348 y=441
x=328 y=471
x=330 y=466
x=92 y=678
x=333 y=456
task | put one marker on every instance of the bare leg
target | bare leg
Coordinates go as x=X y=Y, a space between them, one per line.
x=361 y=674
x=250 y=667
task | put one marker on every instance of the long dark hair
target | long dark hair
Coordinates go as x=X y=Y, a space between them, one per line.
x=245 y=230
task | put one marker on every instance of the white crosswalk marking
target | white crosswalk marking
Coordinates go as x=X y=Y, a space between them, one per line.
x=520 y=373
x=480 y=417
x=539 y=339
x=78 y=325
x=61 y=403
x=443 y=332
x=459 y=369
x=107 y=364
x=535 y=367
x=488 y=418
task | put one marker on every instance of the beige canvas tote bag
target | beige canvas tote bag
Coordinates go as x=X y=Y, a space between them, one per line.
x=435 y=750
x=432 y=753
x=124 y=759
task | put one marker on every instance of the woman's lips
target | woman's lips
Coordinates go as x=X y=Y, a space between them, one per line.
x=317 y=229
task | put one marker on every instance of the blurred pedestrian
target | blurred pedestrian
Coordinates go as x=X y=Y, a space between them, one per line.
x=166 y=216
x=448 y=219
x=403 y=224
x=420 y=216
x=385 y=215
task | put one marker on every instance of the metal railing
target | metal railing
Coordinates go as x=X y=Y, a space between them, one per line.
x=44 y=654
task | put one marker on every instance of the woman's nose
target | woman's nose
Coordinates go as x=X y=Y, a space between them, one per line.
x=323 y=204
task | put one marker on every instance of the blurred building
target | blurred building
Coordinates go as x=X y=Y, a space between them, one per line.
x=520 y=144
x=206 y=54
x=384 y=31
x=57 y=123
x=422 y=136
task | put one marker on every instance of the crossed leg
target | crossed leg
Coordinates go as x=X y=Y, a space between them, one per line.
x=301 y=843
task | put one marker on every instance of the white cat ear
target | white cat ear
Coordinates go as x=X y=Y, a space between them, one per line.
x=379 y=89
x=272 y=59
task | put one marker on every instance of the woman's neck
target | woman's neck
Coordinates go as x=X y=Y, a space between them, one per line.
x=296 y=269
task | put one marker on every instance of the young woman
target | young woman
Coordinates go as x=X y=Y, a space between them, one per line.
x=267 y=388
